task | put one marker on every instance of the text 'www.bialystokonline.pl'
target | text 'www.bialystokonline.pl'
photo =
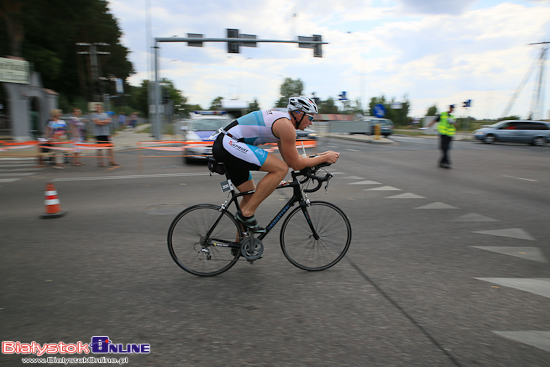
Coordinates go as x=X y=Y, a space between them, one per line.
x=73 y=360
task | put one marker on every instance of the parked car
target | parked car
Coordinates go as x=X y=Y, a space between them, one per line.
x=386 y=126
x=515 y=131
x=199 y=128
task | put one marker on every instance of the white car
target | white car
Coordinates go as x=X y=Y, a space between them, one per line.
x=199 y=128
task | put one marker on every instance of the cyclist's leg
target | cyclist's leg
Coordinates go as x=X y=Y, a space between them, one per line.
x=277 y=170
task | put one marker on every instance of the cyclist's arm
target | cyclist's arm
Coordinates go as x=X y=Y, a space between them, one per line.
x=287 y=146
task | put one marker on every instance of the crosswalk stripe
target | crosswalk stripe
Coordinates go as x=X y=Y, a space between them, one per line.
x=538 y=286
x=529 y=253
x=537 y=339
x=384 y=188
x=4 y=180
x=518 y=233
x=365 y=183
x=130 y=177
x=437 y=205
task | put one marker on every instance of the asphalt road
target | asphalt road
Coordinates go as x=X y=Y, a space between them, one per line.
x=446 y=267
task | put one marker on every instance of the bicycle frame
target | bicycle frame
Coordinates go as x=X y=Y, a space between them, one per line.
x=297 y=197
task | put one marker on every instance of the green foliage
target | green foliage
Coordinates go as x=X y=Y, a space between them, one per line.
x=289 y=88
x=216 y=104
x=328 y=106
x=253 y=106
x=510 y=118
x=45 y=33
x=432 y=111
x=400 y=117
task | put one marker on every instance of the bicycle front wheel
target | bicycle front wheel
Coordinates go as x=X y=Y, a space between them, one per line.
x=198 y=252
x=315 y=237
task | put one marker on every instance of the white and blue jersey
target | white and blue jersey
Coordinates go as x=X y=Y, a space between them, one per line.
x=252 y=130
x=256 y=127
x=240 y=150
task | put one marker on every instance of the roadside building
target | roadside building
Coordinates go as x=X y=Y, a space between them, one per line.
x=24 y=102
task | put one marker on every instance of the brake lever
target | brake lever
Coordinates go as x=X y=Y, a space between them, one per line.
x=328 y=181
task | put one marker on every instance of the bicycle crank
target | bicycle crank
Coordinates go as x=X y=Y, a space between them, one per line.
x=252 y=248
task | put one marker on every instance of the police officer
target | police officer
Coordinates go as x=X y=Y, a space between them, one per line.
x=446 y=130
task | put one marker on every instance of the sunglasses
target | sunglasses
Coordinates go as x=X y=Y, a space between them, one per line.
x=308 y=116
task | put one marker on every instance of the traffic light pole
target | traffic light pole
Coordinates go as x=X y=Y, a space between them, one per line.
x=315 y=42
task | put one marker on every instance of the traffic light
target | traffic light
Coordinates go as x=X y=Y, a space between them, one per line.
x=467 y=103
x=165 y=95
x=233 y=47
x=304 y=42
x=317 y=50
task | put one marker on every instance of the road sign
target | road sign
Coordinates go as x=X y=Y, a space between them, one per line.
x=379 y=110
x=342 y=97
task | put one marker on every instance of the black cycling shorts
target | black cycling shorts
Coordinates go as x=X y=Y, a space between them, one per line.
x=238 y=170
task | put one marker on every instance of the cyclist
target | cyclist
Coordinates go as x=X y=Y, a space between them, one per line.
x=237 y=146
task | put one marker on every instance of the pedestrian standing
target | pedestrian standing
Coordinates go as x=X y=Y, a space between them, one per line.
x=56 y=132
x=102 y=132
x=78 y=131
x=133 y=120
x=122 y=119
x=446 y=130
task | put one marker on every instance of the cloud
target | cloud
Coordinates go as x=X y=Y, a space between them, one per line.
x=434 y=51
x=452 y=7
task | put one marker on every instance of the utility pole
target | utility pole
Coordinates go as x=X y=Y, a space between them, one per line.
x=537 y=104
x=97 y=90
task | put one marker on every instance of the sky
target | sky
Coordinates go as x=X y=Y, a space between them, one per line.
x=432 y=52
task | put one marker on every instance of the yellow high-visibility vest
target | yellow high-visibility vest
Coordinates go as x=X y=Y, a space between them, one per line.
x=444 y=127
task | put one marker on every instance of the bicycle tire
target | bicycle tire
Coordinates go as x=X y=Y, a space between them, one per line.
x=190 y=227
x=304 y=251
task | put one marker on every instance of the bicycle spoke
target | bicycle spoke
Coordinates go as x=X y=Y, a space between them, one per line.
x=195 y=253
x=302 y=249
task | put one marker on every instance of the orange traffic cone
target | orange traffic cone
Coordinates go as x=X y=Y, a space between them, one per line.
x=53 y=209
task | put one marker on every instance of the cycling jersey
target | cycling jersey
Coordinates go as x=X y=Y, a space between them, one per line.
x=237 y=147
x=256 y=127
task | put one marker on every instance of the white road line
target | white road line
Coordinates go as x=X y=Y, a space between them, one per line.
x=520 y=178
x=15 y=165
x=2 y=180
x=17 y=174
x=130 y=177
x=20 y=169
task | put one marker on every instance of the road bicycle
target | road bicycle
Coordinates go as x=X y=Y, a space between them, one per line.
x=207 y=240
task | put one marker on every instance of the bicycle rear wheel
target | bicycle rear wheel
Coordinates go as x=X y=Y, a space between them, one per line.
x=322 y=249
x=198 y=254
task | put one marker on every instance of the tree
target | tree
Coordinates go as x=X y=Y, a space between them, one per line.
x=329 y=106
x=216 y=104
x=139 y=96
x=432 y=111
x=11 y=12
x=290 y=88
x=400 y=117
x=253 y=106
x=45 y=33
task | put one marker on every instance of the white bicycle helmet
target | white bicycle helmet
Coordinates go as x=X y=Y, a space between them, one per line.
x=302 y=103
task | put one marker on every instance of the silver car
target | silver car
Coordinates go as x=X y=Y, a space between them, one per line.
x=515 y=131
